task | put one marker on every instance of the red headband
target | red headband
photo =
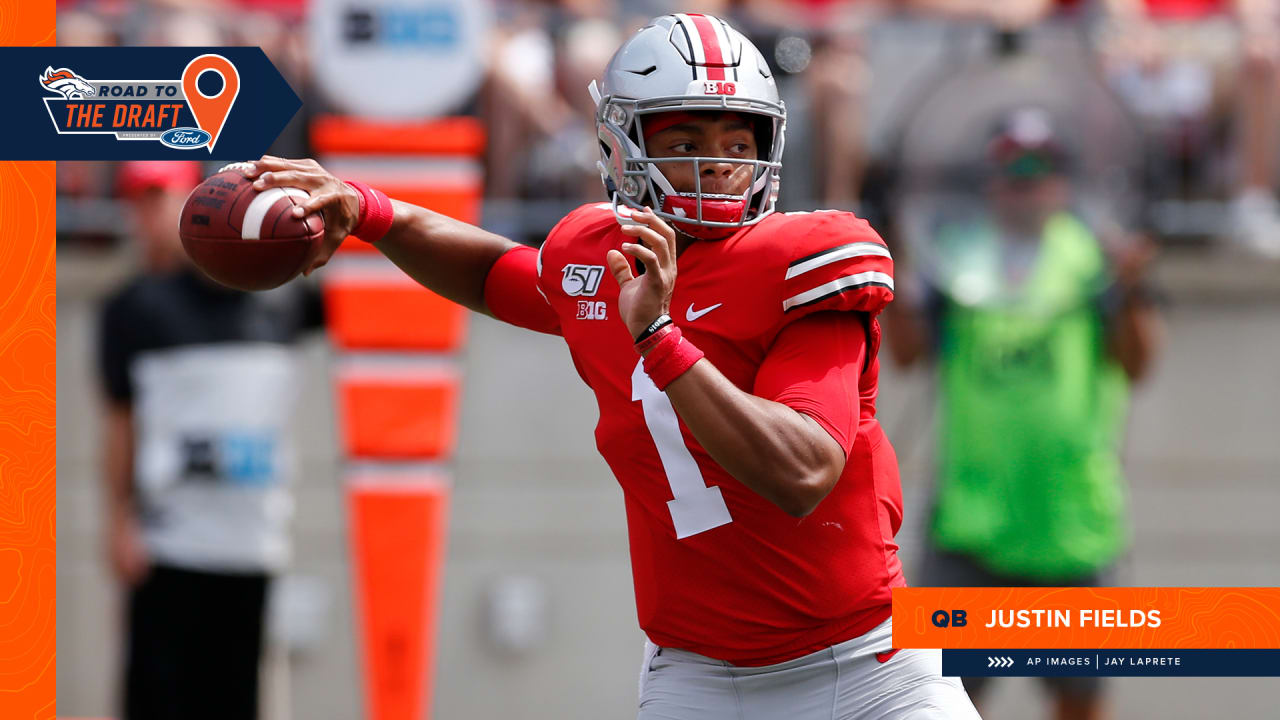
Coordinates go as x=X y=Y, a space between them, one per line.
x=657 y=122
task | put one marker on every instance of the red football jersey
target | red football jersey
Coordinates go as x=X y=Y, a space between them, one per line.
x=718 y=569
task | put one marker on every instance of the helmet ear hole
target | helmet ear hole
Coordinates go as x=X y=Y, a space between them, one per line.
x=613 y=156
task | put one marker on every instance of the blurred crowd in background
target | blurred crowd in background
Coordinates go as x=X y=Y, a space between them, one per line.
x=881 y=94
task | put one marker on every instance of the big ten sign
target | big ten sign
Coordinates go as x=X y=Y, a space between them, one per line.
x=396 y=59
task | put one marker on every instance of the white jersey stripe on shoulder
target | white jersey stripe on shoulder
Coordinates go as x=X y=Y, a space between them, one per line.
x=847 y=282
x=251 y=227
x=695 y=45
x=844 y=252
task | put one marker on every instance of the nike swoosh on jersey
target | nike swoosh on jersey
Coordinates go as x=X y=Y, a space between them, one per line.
x=691 y=314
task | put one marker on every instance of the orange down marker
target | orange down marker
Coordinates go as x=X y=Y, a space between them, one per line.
x=398 y=531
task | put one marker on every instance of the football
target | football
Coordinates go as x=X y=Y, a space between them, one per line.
x=245 y=239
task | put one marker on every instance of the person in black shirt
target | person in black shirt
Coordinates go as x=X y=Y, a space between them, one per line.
x=200 y=386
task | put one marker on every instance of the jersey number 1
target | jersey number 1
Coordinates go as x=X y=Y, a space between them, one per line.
x=694 y=507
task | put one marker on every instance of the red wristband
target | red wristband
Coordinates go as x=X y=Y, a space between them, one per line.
x=670 y=358
x=375 y=213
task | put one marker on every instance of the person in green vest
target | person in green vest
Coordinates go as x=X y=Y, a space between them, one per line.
x=1038 y=327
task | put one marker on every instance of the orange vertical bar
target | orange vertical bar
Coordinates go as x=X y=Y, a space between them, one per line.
x=407 y=317
x=28 y=547
x=398 y=530
x=393 y=408
x=438 y=136
x=391 y=415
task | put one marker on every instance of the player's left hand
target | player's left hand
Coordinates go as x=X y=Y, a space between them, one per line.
x=642 y=299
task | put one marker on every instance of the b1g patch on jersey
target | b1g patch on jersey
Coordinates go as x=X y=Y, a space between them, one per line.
x=592 y=310
x=581 y=279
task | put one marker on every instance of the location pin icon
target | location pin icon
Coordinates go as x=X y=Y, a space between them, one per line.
x=211 y=110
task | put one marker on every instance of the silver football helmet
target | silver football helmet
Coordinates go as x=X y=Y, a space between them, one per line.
x=687 y=62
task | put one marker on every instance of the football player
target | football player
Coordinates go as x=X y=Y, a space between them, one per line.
x=733 y=353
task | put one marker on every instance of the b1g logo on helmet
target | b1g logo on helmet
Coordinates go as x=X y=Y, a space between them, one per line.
x=718 y=87
x=581 y=279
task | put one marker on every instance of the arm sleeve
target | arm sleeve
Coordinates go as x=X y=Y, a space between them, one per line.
x=814 y=367
x=512 y=294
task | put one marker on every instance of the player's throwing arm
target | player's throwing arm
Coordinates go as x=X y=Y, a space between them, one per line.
x=450 y=257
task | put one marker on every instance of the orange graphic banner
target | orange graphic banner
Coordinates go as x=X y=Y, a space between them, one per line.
x=1101 y=618
x=28 y=584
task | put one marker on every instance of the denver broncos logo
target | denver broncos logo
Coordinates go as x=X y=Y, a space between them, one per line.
x=70 y=85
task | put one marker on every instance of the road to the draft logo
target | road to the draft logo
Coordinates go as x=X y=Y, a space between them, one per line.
x=175 y=113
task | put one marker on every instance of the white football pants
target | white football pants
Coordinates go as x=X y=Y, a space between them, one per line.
x=842 y=682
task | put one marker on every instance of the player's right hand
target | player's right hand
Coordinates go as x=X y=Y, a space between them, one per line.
x=338 y=202
x=641 y=300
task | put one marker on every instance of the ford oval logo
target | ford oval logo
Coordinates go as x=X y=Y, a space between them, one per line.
x=185 y=138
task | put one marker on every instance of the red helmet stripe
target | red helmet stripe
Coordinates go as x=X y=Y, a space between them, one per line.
x=710 y=46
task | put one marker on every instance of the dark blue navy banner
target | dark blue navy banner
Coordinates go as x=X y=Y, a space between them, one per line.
x=1106 y=663
x=141 y=103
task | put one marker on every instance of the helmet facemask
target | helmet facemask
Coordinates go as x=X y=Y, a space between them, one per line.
x=634 y=179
